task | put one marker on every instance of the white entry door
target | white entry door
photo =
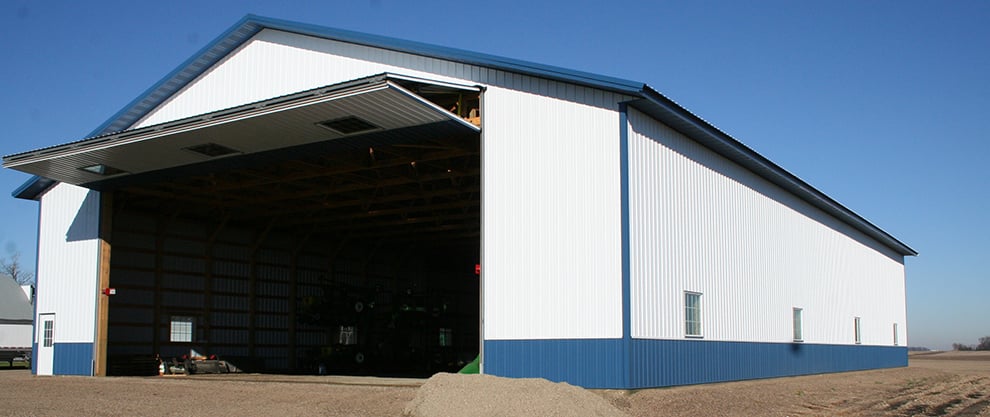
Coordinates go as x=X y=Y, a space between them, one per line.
x=46 y=344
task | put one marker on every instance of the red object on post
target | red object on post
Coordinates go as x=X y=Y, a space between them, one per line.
x=477 y=269
x=109 y=291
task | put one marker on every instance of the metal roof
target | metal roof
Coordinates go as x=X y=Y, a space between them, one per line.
x=15 y=308
x=651 y=102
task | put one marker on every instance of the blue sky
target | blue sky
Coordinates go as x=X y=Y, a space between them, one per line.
x=882 y=105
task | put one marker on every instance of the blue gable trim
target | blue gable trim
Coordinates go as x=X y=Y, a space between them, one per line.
x=73 y=359
x=252 y=24
x=32 y=188
x=599 y=363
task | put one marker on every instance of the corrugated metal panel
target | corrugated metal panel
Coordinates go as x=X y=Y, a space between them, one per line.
x=699 y=222
x=597 y=363
x=589 y=363
x=275 y=63
x=68 y=257
x=552 y=266
x=658 y=363
x=72 y=358
x=234 y=38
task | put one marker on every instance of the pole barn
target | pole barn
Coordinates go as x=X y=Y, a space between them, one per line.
x=301 y=199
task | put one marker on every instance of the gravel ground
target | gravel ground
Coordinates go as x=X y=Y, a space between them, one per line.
x=943 y=384
x=949 y=384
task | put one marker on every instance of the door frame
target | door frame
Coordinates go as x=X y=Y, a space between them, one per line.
x=45 y=357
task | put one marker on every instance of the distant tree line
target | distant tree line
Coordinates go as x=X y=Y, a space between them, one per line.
x=983 y=345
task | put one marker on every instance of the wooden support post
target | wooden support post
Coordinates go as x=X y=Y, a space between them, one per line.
x=103 y=301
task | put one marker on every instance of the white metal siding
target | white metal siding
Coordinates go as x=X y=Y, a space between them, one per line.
x=699 y=222
x=68 y=260
x=552 y=253
x=274 y=63
x=551 y=204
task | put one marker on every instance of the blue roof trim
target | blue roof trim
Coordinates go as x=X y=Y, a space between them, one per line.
x=250 y=25
x=33 y=187
x=179 y=77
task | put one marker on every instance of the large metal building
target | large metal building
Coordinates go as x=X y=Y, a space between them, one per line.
x=295 y=196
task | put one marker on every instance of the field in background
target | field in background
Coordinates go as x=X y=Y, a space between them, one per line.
x=935 y=384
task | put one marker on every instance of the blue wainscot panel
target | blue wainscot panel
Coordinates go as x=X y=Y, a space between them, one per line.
x=590 y=363
x=657 y=363
x=73 y=359
x=600 y=363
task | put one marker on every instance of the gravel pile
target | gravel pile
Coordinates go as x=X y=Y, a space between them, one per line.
x=450 y=395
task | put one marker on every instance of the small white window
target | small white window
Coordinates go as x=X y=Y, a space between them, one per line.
x=692 y=314
x=181 y=329
x=49 y=334
x=895 y=334
x=859 y=335
x=798 y=336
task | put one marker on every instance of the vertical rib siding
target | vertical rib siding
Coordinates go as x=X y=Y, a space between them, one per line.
x=68 y=259
x=551 y=174
x=552 y=245
x=275 y=63
x=701 y=223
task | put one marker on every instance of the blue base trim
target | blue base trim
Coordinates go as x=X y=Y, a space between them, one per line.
x=73 y=359
x=34 y=358
x=682 y=362
x=590 y=363
x=599 y=363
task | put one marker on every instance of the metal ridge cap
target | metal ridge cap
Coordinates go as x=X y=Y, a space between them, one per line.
x=789 y=181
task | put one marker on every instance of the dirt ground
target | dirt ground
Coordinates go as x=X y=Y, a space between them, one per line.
x=940 y=384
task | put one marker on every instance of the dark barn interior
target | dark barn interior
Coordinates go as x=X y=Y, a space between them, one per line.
x=349 y=256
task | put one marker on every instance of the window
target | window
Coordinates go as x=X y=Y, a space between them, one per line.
x=895 y=334
x=181 y=329
x=798 y=337
x=49 y=333
x=692 y=314
x=859 y=335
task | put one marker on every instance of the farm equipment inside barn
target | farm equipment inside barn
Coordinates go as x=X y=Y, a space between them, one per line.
x=377 y=331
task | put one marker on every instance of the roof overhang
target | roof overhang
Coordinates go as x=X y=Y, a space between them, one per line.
x=372 y=105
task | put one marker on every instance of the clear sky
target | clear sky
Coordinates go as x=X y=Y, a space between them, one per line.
x=882 y=105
